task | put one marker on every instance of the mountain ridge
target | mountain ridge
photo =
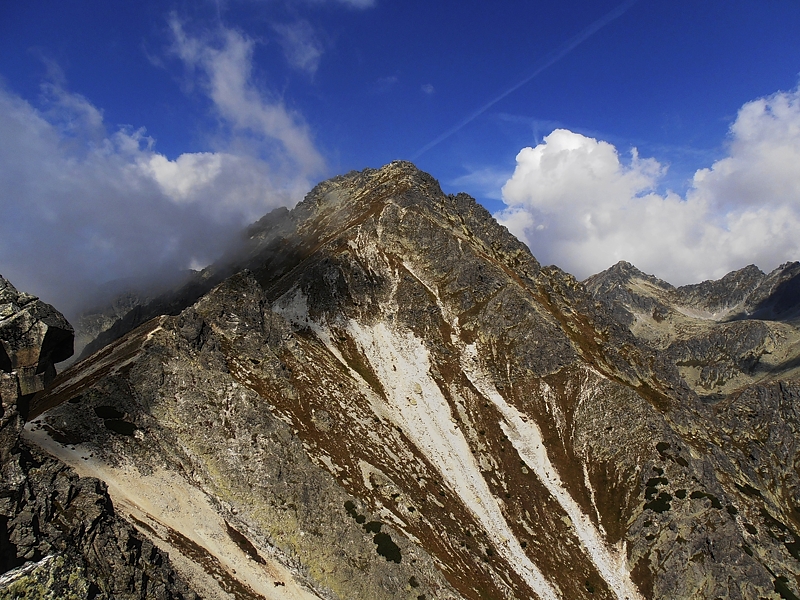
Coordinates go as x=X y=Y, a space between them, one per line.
x=386 y=395
x=739 y=329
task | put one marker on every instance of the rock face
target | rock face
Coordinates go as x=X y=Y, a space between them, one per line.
x=33 y=337
x=59 y=535
x=386 y=396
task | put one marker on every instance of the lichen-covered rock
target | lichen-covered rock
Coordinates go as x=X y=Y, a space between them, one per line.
x=55 y=577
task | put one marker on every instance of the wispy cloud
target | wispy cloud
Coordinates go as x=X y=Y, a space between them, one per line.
x=301 y=45
x=83 y=203
x=428 y=89
x=358 y=3
x=577 y=204
x=225 y=62
x=486 y=182
x=544 y=64
x=384 y=84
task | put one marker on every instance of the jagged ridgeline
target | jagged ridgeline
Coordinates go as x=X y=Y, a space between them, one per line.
x=382 y=394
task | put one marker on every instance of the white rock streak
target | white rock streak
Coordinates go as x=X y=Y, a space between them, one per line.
x=166 y=502
x=526 y=438
x=418 y=407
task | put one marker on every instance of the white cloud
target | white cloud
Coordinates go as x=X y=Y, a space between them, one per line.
x=226 y=64
x=301 y=46
x=428 y=89
x=576 y=204
x=81 y=205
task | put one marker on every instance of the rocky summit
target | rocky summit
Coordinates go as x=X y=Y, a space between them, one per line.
x=382 y=394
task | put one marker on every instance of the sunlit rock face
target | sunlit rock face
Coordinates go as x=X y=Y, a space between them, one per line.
x=386 y=396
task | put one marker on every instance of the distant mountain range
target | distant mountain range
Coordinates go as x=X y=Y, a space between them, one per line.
x=382 y=394
x=722 y=335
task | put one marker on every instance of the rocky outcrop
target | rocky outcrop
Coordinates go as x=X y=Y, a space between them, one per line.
x=733 y=291
x=59 y=535
x=626 y=291
x=777 y=298
x=395 y=400
x=33 y=337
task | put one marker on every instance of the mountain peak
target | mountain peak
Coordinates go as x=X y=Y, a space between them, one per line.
x=385 y=396
x=390 y=181
x=382 y=198
x=622 y=272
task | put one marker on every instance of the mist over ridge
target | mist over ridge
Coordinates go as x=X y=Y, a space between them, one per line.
x=89 y=206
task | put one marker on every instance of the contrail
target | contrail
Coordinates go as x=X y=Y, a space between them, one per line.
x=549 y=61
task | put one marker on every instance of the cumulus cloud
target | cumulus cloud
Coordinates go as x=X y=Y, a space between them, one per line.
x=577 y=204
x=82 y=205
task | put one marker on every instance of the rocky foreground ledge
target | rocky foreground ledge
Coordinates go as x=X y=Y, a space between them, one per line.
x=59 y=536
x=34 y=337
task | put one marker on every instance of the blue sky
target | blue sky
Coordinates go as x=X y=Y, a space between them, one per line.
x=137 y=137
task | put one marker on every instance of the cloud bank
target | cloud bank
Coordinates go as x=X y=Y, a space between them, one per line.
x=578 y=205
x=82 y=205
